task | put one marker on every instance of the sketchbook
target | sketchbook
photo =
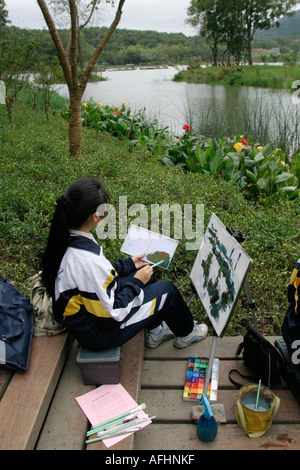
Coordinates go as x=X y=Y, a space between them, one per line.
x=155 y=247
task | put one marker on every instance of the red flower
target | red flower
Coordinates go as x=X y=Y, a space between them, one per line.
x=244 y=142
x=187 y=127
x=117 y=112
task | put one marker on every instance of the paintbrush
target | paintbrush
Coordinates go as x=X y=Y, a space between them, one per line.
x=102 y=426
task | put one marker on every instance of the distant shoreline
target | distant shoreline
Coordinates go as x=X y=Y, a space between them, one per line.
x=276 y=76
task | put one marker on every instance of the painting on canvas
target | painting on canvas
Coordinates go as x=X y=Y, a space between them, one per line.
x=219 y=272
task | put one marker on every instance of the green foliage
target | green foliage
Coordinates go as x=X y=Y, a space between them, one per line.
x=122 y=122
x=127 y=46
x=3 y=14
x=152 y=47
x=263 y=76
x=233 y=23
x=255 y=169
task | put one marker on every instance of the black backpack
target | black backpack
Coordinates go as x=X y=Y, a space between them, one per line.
x=262 y=359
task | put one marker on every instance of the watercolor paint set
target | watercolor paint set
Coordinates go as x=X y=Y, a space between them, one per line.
x=195 y=379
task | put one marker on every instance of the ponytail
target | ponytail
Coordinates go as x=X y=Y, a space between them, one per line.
x=72 y=209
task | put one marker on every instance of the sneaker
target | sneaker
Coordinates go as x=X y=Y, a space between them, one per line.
x=153 y=340
x=198 y=334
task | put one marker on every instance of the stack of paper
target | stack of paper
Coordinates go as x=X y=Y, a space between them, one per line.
x=107 y=402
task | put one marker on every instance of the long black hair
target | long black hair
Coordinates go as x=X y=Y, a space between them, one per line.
x=72 y=209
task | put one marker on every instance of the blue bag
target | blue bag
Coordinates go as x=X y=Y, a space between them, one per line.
x=16 y=327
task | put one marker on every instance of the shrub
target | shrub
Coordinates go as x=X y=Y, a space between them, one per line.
x=255 y=169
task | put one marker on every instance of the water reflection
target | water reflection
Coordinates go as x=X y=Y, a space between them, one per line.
x=212 y=110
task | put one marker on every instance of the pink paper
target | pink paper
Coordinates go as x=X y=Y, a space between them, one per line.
x=105 y=402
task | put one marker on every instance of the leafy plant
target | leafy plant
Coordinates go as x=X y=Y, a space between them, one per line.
x=255 y=169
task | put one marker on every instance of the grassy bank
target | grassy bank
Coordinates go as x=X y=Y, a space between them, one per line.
x=265 y=76
x=36 y=169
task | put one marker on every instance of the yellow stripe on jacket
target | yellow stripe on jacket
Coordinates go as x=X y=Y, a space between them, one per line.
x=92 y=306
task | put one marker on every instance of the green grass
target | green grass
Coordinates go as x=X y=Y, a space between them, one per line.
x=36 y=169
x=265 y=76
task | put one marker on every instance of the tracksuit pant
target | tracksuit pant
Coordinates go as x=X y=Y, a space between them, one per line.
x=169 y=307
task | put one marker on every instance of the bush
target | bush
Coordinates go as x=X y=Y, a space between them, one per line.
x=255 y=169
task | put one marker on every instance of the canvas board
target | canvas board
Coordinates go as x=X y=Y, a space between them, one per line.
x=218 y=273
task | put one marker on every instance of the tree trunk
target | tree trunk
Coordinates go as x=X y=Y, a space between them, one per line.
x=47 y=107
x=9 y=106
x=75 y=125
x=214 y=50
x=249 y=50
x=228 y=56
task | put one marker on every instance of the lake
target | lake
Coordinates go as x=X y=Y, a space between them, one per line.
x=212 y=110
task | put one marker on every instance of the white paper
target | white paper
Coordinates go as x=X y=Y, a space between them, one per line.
x=154 y=246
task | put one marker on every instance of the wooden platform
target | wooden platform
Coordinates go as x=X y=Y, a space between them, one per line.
x=26 y=396
x=38 y=409
x=162 y=381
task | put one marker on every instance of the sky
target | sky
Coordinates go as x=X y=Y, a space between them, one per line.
x=157 y=15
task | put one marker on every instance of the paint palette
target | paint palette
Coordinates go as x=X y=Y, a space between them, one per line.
x=195 y=379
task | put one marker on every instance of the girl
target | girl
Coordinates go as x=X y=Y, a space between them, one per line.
x=103 y=304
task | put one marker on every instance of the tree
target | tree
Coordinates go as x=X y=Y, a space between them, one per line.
x=69 y=66
x=17 y=55
x=220 y=23
x=204 y=14
x=233 y=31
x=46 y=74
x=229 y=21
x=85 y=12
x=261 y=14
x=3 y=15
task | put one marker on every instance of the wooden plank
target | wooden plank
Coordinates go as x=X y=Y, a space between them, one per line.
x=163 y=377
x=229 y=437
x=5 y=377
x=225 y=349
x=158 y=374
x=166 y=350
x=26 y=400
x=130 y=379
x=169 y=406
x=66 y=425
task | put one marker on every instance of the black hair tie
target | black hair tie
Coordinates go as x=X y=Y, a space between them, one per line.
x=64 y=203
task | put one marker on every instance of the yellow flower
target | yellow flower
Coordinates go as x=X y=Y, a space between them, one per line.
x=238 y=147
x=85 y=104
x=259 y=148
x=282 y=162
x=100 y=104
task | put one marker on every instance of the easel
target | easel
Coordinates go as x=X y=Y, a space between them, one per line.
x=215 y=337
x=240 y=238
x=237 y=234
